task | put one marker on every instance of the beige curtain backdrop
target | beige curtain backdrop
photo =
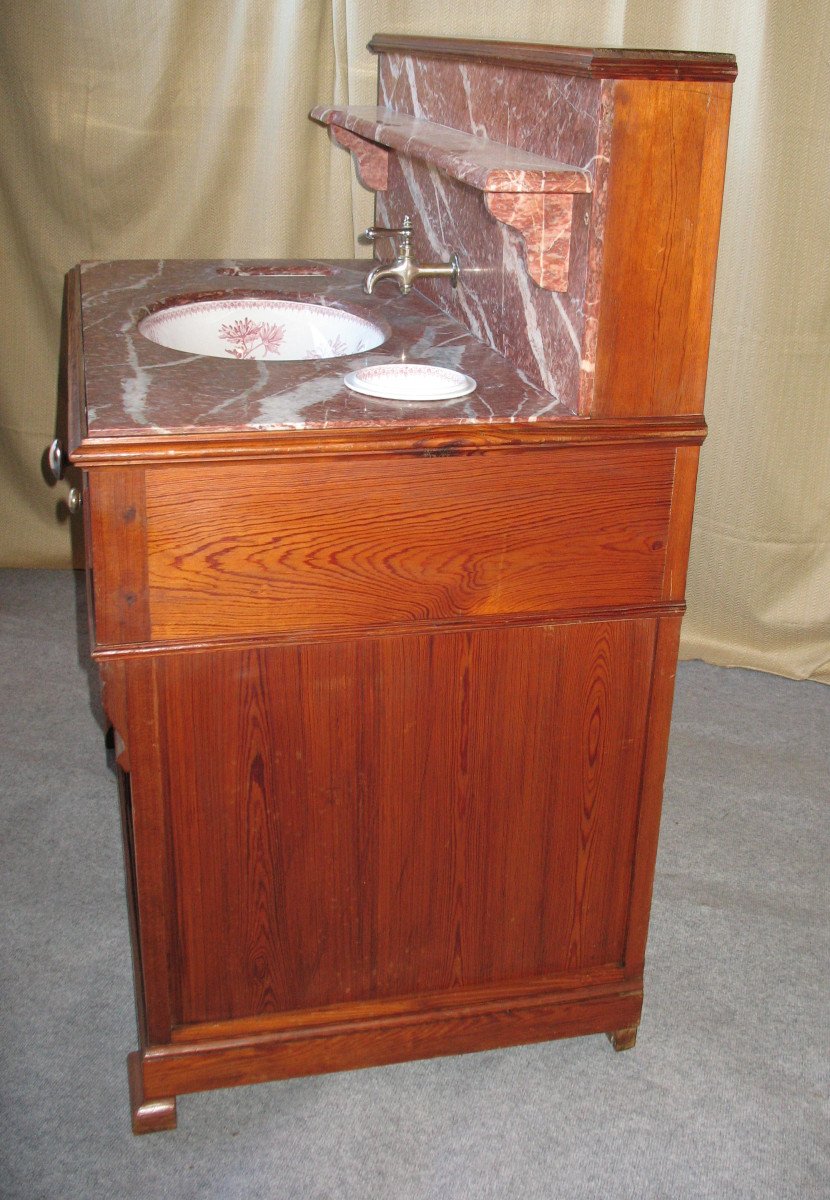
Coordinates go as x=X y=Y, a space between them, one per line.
x=178 y=128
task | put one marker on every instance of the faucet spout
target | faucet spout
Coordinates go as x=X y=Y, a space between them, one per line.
x=403 y=268
x=386 y=271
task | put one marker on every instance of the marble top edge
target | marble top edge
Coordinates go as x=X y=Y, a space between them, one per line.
x=137 y=389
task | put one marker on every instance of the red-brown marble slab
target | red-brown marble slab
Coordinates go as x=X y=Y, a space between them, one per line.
x=595 y=220
x=544 y=222
x=554 y=117
x=135 y=386
x=371 y=161
x=549 y=335
x=478 y=161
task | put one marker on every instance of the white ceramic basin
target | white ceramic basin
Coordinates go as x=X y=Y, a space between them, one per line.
x=261 y=328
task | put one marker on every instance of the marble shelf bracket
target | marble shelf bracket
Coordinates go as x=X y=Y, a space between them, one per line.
x=532 y=194
x=371 y=161
x=544 y=221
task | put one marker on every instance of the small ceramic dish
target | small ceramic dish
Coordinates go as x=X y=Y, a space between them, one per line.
x=412 y=382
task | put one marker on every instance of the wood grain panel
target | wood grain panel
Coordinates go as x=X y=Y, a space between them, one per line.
x=651 y=799
x=680 y=523
x=402 y=815
x=148 y=845
x=668 y=157
x=322 y=545
x=118 y=533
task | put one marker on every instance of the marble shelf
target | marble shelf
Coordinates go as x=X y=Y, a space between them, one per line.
x=484 y=164
x=527 y=191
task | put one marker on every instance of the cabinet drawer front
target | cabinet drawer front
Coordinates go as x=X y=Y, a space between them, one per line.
x=323 y=544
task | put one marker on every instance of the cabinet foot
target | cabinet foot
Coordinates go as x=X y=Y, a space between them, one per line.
x=148 y=1116
x=623 y=1039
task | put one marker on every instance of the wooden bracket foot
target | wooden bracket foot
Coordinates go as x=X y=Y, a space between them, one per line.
x=623 y=1039
x=148 y=1116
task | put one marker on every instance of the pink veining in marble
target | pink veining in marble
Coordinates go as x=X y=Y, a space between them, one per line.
x=478 y=161
x=602 y=164
x=135 y=386
x=544 y=222
x=549 y=335
x=279 y=269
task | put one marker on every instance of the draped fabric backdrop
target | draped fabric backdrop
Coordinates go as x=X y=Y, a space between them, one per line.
x=178 y=128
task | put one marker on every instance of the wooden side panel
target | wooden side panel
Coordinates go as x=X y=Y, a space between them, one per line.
x=651 y=803
x=680 y=523
x=118 y=530
x=668 y=156
x=321 y=545
x=401 y=815
x=147 y=834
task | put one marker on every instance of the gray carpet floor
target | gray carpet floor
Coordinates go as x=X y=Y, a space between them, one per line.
x=725 y=1094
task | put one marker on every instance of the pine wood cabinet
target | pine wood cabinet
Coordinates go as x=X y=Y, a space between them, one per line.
x=391 y=698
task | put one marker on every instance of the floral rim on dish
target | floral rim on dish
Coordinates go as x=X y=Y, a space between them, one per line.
x=412 y=382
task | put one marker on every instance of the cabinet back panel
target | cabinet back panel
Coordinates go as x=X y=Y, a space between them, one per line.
x=322 y=544
x=401 y=815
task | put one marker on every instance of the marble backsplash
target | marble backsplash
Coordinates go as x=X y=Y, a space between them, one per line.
x=549 y=336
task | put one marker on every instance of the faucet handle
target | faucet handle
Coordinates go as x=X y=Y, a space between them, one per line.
x=380 y=231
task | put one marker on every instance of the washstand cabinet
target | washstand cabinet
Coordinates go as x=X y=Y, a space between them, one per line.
x=390 y=685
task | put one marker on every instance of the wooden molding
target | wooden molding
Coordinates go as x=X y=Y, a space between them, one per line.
x=167 y=1070
x=426 y=441
x=595 y=63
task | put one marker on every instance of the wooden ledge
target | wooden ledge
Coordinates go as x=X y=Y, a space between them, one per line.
x=584 y=62
x=530 y=193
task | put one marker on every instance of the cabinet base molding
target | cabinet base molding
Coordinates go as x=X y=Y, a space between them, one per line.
x=159 y=1073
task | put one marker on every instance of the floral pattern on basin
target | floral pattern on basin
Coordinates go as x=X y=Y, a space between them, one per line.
x=261 y=327
x=245 y=337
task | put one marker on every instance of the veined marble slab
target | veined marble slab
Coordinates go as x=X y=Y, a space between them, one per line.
x=478 y=161
x=135 y=386
x=549 y=335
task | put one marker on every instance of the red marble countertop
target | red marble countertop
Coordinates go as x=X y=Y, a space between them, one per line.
x=135 y=387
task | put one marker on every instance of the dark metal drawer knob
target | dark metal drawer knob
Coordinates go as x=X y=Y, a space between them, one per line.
x=56 y=457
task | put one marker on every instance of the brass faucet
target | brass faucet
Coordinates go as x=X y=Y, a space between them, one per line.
x=403 y=268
